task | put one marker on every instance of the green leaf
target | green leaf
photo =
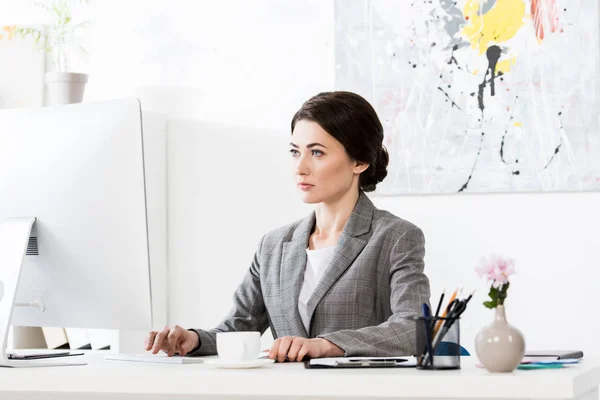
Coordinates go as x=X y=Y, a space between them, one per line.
x=493 y=293
x=490 y=304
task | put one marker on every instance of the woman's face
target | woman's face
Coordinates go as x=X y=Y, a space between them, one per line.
x=323 y=171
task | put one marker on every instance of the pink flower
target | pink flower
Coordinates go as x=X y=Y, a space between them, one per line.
x=496 y=269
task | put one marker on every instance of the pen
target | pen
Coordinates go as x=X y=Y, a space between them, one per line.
x=426 y=323
x=469 y=298
x=439 y=306
x=437 y=310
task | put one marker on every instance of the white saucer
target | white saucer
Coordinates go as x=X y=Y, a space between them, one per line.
x=259 y=362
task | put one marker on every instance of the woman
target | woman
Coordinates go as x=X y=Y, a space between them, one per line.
x=342 y=281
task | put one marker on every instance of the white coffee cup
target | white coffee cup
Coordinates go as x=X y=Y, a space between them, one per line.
x=238 y=346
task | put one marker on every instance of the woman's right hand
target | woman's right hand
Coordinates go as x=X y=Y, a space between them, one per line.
x=172 y=340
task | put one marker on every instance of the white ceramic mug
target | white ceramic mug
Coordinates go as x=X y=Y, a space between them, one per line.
x=238 y=346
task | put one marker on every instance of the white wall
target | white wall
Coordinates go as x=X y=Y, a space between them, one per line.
x=237 y=61
x=250 y=63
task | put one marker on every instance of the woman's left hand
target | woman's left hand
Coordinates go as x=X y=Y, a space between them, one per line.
x=295 y=348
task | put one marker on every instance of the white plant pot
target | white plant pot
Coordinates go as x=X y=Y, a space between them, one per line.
x=65 y=87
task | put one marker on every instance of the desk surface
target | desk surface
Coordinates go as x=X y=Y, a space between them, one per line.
x=118 y=379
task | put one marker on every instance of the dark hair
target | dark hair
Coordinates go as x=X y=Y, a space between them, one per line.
x=354 y=123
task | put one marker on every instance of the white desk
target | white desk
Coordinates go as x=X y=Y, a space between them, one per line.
x=120 y=380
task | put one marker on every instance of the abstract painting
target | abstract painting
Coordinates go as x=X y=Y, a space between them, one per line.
x=477 y=95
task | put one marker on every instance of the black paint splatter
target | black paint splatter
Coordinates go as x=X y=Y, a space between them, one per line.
x=502 y=146
x=452 y=101
x=474 y=164
x=452 y=58
x=480 y=96
x=493 y=55
x=554 y=155
x=557 y=149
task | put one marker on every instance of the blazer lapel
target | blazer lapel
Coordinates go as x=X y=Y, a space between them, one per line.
x=293 y=264
x=348 y=248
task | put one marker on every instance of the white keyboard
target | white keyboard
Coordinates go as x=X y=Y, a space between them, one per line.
x=154 y=358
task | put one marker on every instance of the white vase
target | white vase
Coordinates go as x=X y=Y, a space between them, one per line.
x=65 y=87
x=499 y=345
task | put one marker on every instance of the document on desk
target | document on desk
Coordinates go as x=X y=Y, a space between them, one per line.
x=361 y=362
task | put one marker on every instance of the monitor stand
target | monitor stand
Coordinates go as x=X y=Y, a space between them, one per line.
x=14 y=237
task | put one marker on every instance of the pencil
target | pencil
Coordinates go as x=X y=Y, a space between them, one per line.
x=439 y=323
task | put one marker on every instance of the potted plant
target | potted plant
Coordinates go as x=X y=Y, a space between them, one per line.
x=499 y=345
x=61 y=41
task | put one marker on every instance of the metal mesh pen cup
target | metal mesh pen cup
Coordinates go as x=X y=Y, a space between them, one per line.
x=445 y=345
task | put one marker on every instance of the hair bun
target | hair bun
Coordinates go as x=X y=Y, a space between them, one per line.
x=381 y=165
x=377 y=171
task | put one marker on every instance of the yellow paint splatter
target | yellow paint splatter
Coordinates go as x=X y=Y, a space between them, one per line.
x=517 y=124
x=504 y=65
x=498 y=25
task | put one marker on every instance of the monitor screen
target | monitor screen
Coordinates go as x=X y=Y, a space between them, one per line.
x=79 y=171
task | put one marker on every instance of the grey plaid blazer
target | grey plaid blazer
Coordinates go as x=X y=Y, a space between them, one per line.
x=374 y=282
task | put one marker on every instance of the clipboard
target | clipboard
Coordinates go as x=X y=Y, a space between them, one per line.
x=361 y=362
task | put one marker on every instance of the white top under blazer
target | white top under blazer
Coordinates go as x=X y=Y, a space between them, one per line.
x=316 y=263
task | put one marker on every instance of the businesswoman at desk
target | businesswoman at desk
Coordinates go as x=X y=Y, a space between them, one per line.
x=343 y=280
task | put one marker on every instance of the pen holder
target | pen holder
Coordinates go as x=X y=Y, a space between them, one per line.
x=445 y=343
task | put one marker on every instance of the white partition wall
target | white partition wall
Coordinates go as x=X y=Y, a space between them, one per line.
x=227 y=186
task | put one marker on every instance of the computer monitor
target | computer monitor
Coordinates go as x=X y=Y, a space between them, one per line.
x=79 y=171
